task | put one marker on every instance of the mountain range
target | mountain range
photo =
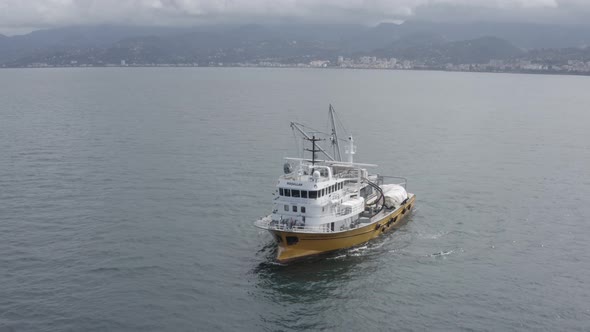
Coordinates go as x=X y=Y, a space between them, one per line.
x=428 y=42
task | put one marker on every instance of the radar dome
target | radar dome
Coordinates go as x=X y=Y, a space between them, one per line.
x=287 y=168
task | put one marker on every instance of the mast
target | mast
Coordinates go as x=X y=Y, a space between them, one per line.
x=306 y=136
x=335 y=144
x=313 y=149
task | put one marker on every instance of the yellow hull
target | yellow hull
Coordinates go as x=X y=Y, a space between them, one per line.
x=294 y=245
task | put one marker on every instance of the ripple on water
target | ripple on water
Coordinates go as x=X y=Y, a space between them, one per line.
x=131 y=209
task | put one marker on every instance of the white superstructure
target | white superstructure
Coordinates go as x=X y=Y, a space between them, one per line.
x=329 y=195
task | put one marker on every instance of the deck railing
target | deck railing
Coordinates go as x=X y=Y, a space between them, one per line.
x=382 y=178
x=290 y=226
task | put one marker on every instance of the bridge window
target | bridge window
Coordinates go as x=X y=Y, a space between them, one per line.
x=288 y=192
x=303 y=209
x=281 y=192
x=322 y=192
x=313 y=194
x=294 y=208
x=303 y=193
x=286 y=207
x=295 y=193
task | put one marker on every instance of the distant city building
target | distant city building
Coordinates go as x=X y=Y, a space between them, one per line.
x=366 y=60
x=319 y=63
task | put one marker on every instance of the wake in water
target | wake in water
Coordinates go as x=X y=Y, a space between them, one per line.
x=269 y=246
x=375 y=247
x=442 y=253
x=446 y=253
x=351 y=252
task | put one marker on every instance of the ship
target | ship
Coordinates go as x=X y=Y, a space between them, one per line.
x=323 y=203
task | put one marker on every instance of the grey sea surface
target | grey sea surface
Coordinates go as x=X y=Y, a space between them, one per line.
x=127 y=197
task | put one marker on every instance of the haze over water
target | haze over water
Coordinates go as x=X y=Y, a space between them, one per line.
x=127 y=197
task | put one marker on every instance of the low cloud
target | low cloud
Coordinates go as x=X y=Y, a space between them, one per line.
x=32 y=14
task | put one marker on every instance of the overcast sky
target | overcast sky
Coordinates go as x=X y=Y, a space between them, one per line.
x=24 y=15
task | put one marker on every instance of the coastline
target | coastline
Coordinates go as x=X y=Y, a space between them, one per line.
x=300 y=66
